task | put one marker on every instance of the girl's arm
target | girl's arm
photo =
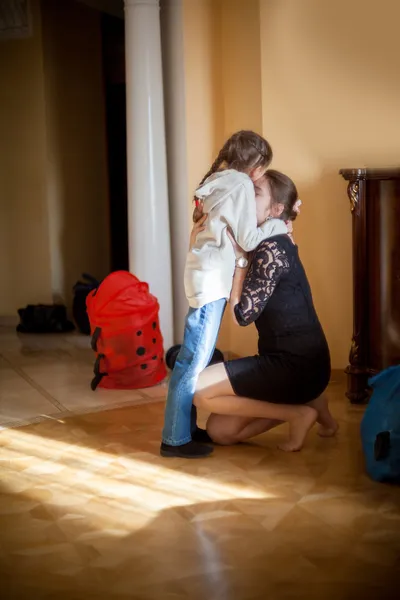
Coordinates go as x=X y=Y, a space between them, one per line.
x=240 y=215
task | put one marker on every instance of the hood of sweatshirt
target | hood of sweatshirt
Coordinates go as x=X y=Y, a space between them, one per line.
x=219 y=185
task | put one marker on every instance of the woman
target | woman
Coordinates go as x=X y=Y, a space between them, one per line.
x=286 y=380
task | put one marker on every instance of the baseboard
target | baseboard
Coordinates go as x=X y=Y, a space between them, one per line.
x=228 y=355
x=338 y=376
x=9 y=321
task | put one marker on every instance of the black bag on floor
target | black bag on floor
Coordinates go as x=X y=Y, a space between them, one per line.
x=79 y=312
x=44 y=318
x=172 y=355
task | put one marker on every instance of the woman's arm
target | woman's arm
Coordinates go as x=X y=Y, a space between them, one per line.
x=237 y=287
x=269 y=263
x=239 y=274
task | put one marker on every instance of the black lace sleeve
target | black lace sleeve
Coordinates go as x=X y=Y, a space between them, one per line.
x=270 y=261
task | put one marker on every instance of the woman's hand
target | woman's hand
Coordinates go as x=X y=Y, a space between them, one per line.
x=198 y=227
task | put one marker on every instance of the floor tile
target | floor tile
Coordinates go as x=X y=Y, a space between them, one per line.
x=19 y=401
x=45 y=374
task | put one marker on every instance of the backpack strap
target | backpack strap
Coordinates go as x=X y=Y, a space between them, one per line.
x=382 y=445
x=95 y=337
x=98 y=375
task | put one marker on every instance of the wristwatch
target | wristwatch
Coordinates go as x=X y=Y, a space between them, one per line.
x=241 y=262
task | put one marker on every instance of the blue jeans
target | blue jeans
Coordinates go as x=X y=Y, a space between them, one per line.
x=201 y=332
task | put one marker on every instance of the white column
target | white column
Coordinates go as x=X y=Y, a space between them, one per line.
x=175 y=108
x=148 y=215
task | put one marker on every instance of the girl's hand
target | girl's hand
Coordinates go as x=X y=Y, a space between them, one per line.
x=197 y=228
x=198 y=211
x=289 y=225
x=239 y=252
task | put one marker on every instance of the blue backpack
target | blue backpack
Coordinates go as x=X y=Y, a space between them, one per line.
x=380 y=427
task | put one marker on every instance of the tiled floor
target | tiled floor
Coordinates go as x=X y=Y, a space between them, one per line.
x=45 y=377
x=88 y=509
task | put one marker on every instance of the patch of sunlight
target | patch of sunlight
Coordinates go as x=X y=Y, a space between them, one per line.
x=117 y=493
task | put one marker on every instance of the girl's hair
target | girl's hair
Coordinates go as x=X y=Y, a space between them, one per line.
x=244 y=150
x=283 y=191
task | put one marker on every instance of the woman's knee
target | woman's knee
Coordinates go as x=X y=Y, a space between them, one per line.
x=220 y=437
x=223 y=430
x=222 y=440
x=201 y=400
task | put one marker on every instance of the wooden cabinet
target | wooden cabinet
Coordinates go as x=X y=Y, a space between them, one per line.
x=375 y=206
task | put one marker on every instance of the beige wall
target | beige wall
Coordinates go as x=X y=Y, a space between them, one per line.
x=24 y=234
x=331 y=97
x=203 y=87
x=53 y=182
x=76 y=144
x=205 y=127
x=242 y=100
x=320 y=80
x=216 y=105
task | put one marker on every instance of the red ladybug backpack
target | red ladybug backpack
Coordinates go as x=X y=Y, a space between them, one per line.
x=126 y=334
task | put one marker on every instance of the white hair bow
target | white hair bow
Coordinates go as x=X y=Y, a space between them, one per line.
x=296 y=206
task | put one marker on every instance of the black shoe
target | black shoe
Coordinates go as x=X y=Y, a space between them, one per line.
x=190 y=450
x=201 y=436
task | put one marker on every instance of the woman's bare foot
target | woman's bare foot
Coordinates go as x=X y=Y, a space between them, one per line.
x=327 y=425
x=298 y=429
x=331 y=430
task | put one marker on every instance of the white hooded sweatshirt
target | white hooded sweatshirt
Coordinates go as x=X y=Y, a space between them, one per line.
x=229 y=200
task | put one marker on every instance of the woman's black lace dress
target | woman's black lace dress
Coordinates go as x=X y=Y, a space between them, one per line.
x=293 y=364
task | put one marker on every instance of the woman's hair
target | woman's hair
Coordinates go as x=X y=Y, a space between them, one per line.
x=283 y=191
x=244 y=150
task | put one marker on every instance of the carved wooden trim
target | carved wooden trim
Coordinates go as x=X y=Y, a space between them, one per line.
x=354 y=355
x=357 y=371
x=352 y=191
x=368 y=174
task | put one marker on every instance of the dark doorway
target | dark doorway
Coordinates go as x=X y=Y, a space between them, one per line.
x=113 y=45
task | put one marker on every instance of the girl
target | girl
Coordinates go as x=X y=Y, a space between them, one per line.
x=227 y=193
